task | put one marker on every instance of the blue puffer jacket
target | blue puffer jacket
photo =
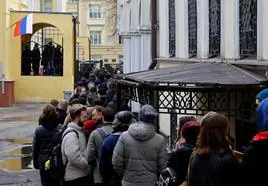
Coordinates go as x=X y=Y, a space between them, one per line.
x=262 y=115
x=110 y=177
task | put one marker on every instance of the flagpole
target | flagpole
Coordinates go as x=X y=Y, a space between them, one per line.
x=12 y=25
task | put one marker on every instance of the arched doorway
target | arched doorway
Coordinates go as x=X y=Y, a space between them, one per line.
x=42 y=51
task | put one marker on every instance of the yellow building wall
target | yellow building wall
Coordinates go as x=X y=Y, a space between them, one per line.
x=109 y=48
x=41 y=88
x=84 y=44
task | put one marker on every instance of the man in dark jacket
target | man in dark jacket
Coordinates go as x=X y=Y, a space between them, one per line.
x=26 y=60
x=255 y=160
x=36 y=59
x=121 y=123
x=179 y=159
x=45 y=138
x=62 y=111
x=96 y=138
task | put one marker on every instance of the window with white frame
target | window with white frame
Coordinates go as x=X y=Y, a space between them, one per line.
x=47 y=5
x=95 y=37
x=94 y=11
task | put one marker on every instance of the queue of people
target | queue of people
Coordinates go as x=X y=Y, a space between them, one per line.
x=51 y=58
x=105 y=148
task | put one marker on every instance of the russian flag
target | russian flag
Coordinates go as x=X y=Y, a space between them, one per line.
x=24 y=26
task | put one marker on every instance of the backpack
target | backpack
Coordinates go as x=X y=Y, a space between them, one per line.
x=167 y=177
x=102 y=133
x=56 y=165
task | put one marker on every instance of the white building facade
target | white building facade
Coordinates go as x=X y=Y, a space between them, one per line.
x=233 y=31
x=134 y=26
x=213 y=30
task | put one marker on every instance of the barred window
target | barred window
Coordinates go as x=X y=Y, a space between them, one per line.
x=214 y=27
x=172 y=28
x=192 y=27
x=248 y=28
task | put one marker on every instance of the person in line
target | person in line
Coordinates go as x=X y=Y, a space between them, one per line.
x=36 y=59
x=213 y=162
x=55 y=103
x=45 y=137
x=182 y=121
x=140 y=154
x=179 y=159
x=255 y=159
x=121 y=123
x=26 y=61
x=97 y=116
x=95 y=141
x=73 y=149
x=62 y=111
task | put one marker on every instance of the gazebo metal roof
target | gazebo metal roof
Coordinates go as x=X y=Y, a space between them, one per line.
x=195 y=89
x=201 y=74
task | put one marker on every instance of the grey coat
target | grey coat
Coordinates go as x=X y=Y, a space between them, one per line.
x=73 y=150
x=93 y=151
x=140 y=155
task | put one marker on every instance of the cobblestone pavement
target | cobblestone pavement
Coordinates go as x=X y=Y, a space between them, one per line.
x=17 y=125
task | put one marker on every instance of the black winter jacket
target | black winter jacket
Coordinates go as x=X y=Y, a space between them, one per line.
x=62 y=115
x=255 y=161
x=179 y=161
x=45 y=138
x=214 y=170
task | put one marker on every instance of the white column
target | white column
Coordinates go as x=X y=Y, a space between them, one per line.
x=230 y=47
x=182 y=38
x=262 y=30
x=134 y=15
x=146 y=56
x=202 y=29
x=163 y=28
x=127 y=54
x=135 y=53
x=145 y=13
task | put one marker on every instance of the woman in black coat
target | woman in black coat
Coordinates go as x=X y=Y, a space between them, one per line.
x=45 y=138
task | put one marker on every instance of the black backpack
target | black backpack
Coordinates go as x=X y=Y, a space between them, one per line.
x=167 y=177
x=57 y=167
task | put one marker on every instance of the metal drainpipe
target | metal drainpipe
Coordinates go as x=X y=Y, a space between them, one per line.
x=74 y=45
x=154 y=34
x=78 y=2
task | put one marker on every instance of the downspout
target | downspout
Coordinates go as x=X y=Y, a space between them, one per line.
x=154 y=34
x=78 y=14
x=74 y=45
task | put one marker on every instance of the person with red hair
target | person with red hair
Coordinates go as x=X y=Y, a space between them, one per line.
x=179 y=159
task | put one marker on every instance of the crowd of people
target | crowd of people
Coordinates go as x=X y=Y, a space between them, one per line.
x=51 y=59
x=105 y=148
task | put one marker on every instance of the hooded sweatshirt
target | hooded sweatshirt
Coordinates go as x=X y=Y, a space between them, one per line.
x=262 y=115
x=255 y=161
x=140 y=154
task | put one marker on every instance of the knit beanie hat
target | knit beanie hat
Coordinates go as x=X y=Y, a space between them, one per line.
x=148 y=114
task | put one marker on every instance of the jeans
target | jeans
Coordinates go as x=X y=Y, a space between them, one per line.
x=85 y=181
x=47 y=180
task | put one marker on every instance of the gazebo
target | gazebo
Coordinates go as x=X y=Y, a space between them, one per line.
x=195 y=89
